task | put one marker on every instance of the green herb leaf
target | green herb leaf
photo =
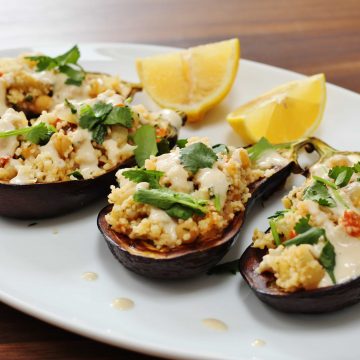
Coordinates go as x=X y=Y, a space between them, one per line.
x=278 y=214
x=145 y=140
x=75 y=72
x=231 y=267
x=341 y=175
x=166 y=199
x=70 y=106
x=274 y=232
x=77 y=175
x=218 y=148
x=142 y=175
x=328 y=259
x=120 y=115
x=356 y=167
x=302 y=225
x=318 y=192
x=101 y=109
x=257 y=150
x=181 y=143
x=217 y=202
x=40 y=134
x=310 y=236
x=197 y=156
x=325 y=182
x=98 y=133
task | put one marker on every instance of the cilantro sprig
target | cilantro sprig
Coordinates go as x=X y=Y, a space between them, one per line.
x=175 y=204
x=99 y=116
x=66 y=63
x=39 y=134
x=142 y=175
x=197 y=156
x=145 y=141
x=319 y=193
x=258 y=149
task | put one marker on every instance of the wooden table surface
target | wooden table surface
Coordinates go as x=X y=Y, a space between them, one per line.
x=308 y=36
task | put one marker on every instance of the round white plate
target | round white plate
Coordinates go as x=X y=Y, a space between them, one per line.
x=41 y=266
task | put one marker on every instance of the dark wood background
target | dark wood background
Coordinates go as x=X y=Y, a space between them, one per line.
x=308 y=36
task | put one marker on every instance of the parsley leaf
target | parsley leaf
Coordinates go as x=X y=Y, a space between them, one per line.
x=70 y=106
x=77 y=175
x=231 y=267
x=181 y=143
x=310 y=236
x=341 y=175
x=173 y=203
x=318 y=192
x=65 y=63
x=142 y=175
x=218 y=148
x=278 y=214
x=257 y=150
x=145 y=140
x=328 y=259
x=120 y=115
x=39 y=134
x=302 y=225
x=197 y=156
x=97 y=118
x=356 y=167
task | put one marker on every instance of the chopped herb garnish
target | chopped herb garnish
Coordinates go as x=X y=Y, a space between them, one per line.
x=145 y=140
x=328 y=259
x=217 y=202
x=97 y=118
x=319 y=193
x=310 y=236
x=66 y=63
x=356 y=167
x=274 y=232
x=77 y=175
x=218 y=148
x=29 y=98
x=173 y=203
x=142 y=175
x=39 y=134
x=302 y=225
x=278 y=214
x=325 y=182
x=231 y=267
x=181 y=143
x=341 y=175
x=197 y=156
x=257 y=150
x=70 y=106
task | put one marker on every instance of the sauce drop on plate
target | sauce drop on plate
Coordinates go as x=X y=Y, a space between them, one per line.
x=89 y=276
x=258 y=343
x=122 y=304
x=215 y=324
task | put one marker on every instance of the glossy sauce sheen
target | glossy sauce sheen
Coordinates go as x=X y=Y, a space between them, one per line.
x=122 y=304
x=89 y=276
x=215 y=324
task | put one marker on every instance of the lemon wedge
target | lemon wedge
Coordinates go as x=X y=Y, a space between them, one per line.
x=286 y=113
x=192 y=80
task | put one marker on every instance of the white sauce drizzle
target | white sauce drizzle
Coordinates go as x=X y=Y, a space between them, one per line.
x=270 y=159
x=159 y=216
x=170 y=116
x=7 y=122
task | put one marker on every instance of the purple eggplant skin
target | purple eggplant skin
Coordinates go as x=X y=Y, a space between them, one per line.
x=44 y=200
x=187 y=260
x=317 y=301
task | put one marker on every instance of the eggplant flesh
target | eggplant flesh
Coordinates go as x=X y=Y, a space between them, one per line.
x=187 y=260
x=320 y=300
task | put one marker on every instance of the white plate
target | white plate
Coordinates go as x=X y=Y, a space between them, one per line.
x=41 y=266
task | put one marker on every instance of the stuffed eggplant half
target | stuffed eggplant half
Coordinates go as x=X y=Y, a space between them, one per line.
x=309 y=260
x=69 y=156
x=179 y=215
x=35 y=83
